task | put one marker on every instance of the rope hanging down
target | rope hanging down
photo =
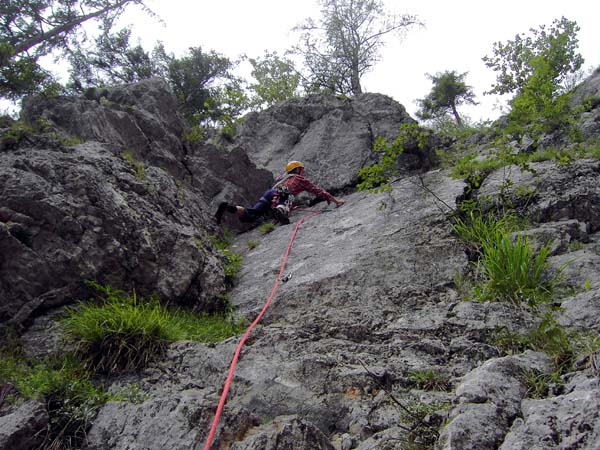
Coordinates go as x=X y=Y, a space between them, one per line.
x=238 y=350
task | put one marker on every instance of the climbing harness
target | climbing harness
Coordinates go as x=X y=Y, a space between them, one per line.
x=238 y=349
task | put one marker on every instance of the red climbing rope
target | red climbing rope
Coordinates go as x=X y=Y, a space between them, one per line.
x=236 y=355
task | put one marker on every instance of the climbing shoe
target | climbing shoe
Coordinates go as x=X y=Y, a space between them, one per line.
x=223 y=206
x=280 y=216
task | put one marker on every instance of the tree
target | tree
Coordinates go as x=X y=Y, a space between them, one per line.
x=516 y=60
x=30 y=29
x=276 y=80
x=537 y=69
x=113 y=60
x=345 y=43
x=205 y=87
x=449 y=91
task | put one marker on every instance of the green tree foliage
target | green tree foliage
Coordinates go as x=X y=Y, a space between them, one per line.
x=537 y=68
x=345 y=43
x=202 y=81
x=375 y=178
x=113 y=60
x=276 y=80
x=31 y=29
x=206 y=88
x=449 y=91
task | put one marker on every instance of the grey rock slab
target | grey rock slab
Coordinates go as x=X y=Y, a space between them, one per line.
x=567 y=421
x=488 y=400
x=402 y=238
x=321 y=131
x=560 y=192
x=23 y=428
x=284 y=432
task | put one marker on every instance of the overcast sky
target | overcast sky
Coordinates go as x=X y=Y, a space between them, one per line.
x=457 y=34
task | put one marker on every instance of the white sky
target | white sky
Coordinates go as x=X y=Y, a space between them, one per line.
x=456 y=36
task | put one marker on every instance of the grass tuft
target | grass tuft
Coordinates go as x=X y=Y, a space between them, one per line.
x=429 y=380
x=513 y=272
x=508 y=268
x=124 y=333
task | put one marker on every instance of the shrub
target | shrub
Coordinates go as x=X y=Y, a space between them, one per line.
x=124 y=333
x=375 y=178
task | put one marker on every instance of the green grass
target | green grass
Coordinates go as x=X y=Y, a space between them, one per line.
x=541 y=385
x=71 y=398
x=477 y=229
x=252 y=244
x=473 y=165
x=124 y=333
x=266 y=228
x=420 y=425
x=232 y=260
x=507 y=268
x=429 y=380
x=138 y=167
x=513 y=272
x=562 y=345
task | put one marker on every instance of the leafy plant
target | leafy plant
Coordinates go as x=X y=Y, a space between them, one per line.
x=536 y=67
x=375 y=178
x=124 y=333
x=344 y=43
x=32 y=30
x=448 y=92
x=195 y=134
x=276 y=80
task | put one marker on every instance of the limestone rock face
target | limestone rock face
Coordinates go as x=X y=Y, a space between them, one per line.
x=20 y=429
x=332 y=136
x=370 y=301
x=107 y=190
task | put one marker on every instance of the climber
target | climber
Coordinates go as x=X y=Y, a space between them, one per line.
x=278 y=200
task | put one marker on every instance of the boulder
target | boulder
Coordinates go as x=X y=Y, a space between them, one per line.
x=332 y=136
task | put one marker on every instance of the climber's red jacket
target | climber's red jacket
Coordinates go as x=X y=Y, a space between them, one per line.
x=297 y=184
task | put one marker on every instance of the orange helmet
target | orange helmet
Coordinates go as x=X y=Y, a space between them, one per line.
x=293 y=165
